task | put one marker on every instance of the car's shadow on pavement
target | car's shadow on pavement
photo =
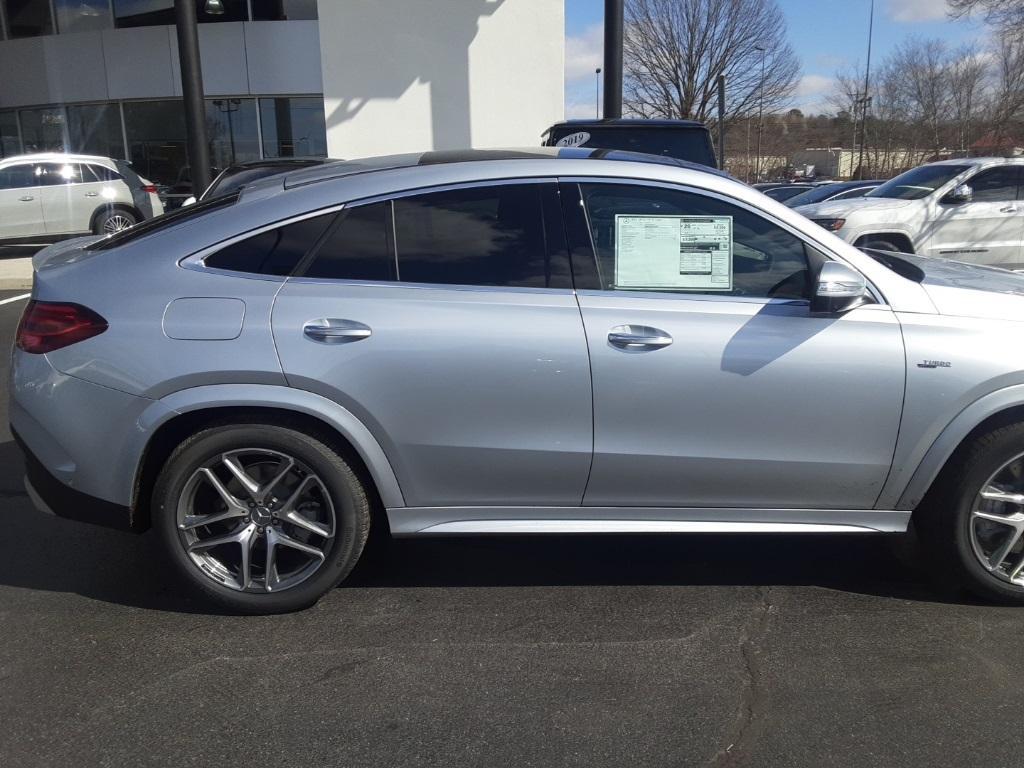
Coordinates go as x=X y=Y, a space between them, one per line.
x=40 y=552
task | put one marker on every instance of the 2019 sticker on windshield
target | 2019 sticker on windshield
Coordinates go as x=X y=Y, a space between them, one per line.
x=673 y=252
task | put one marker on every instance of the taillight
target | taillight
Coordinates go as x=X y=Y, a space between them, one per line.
x=46 y=326
x=150 y=188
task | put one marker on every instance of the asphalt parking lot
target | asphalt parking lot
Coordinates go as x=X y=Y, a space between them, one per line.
x=596 y=651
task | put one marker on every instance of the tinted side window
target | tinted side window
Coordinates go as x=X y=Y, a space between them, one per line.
x=998 y=185
x=492 y=236
x=274 y=252
x=17 y=177
x=56 y=174
x=359 y=248
x=658 y=239
x=99 y=173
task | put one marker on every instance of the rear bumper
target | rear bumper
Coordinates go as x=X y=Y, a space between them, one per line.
x=50 y=495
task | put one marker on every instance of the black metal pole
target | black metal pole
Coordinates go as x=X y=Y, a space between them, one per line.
x=192 y=91
x=721 y=122
x=867 y=97
x=613 y=23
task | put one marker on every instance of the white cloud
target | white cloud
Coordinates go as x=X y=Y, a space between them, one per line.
x=584 y=53
x=916 y=10
x=812 y=93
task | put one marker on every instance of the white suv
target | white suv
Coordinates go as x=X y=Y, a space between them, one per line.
x=969 y=210
x=48 y=197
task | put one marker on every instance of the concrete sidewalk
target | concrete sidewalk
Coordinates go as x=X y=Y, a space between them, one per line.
x=15 y=274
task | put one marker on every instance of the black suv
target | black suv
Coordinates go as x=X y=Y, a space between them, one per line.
x=683 y=139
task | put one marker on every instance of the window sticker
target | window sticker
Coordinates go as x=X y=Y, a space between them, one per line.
x=673 y=252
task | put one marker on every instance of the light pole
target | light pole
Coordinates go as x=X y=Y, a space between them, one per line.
x=613 y=31
x=597 y=92
x=867 y=97
x=760 y=117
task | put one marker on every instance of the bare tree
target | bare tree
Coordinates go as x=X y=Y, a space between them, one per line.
x=674 y=51
x=1005 y=15
x=1009 y=89
x=967 y=74
x=926 y=75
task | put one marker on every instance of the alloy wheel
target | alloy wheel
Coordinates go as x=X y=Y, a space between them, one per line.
x=997 y=523
x=117 y=222
x=256 y=520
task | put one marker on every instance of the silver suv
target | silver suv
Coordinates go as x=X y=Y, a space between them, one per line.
x=561 y=340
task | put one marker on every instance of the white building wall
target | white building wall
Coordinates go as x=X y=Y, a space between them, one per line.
x=401 y=76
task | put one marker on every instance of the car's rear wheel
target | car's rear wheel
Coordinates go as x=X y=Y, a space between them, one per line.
x=260 y=518
x=972 y=522
x=115 y=220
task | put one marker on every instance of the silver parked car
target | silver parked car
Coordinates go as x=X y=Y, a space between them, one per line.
x=558 y=340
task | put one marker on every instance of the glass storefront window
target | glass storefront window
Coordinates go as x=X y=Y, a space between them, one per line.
x=43 y=130
x=156 y=142
x=82 y=15
x=28 y=18
x=95 y=129
x=282 y=10
x=146 y=13
x=293 y=127
x=231 y=129
x=9 y=143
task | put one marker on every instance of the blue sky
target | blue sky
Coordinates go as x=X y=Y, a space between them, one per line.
x=826 y=34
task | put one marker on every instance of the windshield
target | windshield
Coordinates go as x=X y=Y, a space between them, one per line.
x=918 y=183
x=692 y=144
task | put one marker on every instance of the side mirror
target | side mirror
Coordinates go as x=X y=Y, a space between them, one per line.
x=962 y=193
x=839 y=288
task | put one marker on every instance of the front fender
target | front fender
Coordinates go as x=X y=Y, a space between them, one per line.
x=948 y=440
x=284 y=398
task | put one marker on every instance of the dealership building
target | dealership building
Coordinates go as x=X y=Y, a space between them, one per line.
x=337 y=78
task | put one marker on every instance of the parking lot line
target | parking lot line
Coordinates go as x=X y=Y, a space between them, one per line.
x=19 y=297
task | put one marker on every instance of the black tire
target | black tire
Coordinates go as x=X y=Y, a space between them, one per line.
x=121 y=216
x=347 y=494
x=882 y=245
x=943 y=521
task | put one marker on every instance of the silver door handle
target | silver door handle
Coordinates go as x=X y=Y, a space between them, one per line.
x=638 y=337
x=26 y=199
x=332 y=330
x=92 y=194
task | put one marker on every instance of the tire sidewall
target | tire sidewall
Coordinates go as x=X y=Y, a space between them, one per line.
x=101 y=220
x=348 y=498
x=981 y=465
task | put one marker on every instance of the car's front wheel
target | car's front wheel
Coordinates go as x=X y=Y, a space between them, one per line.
x=972 y=521
x=260 y=518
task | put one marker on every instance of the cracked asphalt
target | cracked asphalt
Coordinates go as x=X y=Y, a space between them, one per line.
x=595 y=651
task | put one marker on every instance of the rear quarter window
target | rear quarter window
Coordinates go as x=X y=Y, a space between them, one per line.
x=276 y=251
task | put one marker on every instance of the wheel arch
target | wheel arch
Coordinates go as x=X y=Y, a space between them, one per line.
x=193 y=410
x=899 y=239
x=995 y=410
x=101 y=209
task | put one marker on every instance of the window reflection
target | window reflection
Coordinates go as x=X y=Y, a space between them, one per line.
x=145 y=13
x=231 y=129
x=156 y=142
x=281 y=10
x=28 y=18
x=9 y=143
x=293 y=127
x=82 y=15
x=43 y=130
x=95 y=129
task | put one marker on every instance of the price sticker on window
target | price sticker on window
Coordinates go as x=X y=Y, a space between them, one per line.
x=673 y=252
